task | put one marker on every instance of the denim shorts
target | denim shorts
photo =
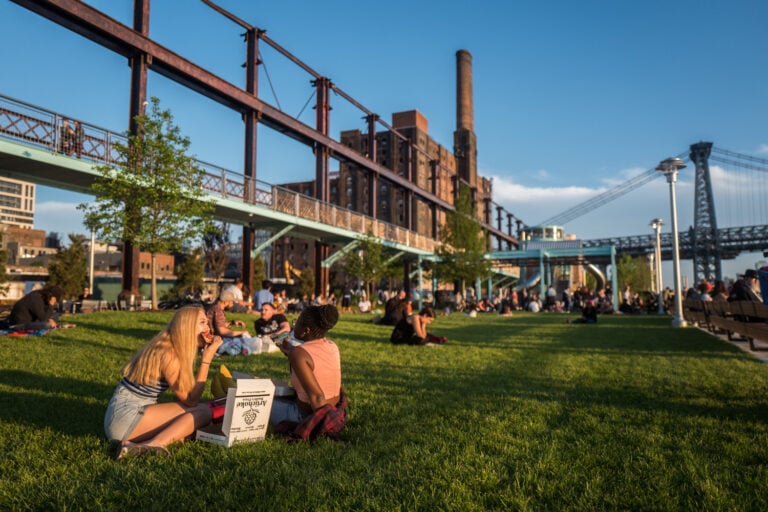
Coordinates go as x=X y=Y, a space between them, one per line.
x=285 y=409
x=124 y=412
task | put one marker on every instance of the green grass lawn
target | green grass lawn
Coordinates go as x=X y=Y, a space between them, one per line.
x=514 y=413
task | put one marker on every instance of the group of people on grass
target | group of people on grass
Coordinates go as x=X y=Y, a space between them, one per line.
x=139 y=424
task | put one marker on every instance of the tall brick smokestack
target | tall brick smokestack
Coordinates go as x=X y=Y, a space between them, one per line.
x=465 y=115
x=464 y=140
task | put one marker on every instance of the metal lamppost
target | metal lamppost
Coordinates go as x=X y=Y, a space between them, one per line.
x=670 y=167
x=656 y=225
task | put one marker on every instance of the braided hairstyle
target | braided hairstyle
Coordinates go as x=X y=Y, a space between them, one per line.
x=319 y=320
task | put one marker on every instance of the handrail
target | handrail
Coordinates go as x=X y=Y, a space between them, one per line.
x=38 y=127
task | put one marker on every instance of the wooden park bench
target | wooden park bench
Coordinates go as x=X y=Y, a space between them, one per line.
x=740 y=320
x=754 y=321
x=695 y=312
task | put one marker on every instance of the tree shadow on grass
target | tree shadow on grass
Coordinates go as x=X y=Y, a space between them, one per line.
x=38 y=401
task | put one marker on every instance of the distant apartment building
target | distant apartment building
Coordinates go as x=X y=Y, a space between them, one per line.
x=24 y=246
x=17 y=203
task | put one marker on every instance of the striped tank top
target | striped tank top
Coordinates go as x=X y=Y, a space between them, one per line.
x=145 y=390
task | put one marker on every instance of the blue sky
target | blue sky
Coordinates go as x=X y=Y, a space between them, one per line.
x=570 y=98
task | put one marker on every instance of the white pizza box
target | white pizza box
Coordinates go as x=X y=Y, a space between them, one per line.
x=246 y=415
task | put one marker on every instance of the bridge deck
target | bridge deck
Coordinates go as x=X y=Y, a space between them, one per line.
x=31 y=149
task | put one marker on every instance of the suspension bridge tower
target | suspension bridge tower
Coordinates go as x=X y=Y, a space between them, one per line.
x=706 y=242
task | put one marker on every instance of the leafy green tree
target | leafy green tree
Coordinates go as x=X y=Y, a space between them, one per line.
x=463 y=243
x=216 y=251
x=153 y=198
x=368 y=262
x=259 y=273
x=634 y=272
x=307 y=282
x=189 y=275
x=68 y=268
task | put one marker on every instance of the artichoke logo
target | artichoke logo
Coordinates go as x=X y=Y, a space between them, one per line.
x=250 y=416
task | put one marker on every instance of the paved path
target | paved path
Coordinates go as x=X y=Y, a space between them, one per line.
x=762 y=347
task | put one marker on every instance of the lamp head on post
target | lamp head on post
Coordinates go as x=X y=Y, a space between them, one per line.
x=669 y=167
x=656 y=223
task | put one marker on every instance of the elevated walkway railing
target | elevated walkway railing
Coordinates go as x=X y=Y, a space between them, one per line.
x=32 y=125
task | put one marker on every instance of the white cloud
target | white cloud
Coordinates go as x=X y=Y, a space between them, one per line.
x=61 y=217
x=505 y=190
x=763 y=149
x=623 y=175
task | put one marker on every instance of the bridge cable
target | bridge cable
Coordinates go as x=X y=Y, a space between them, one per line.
x=752 y=199
x=738 y=164
x=740 y=155
x=269 y=79
x=311 y=95
x=605 y=197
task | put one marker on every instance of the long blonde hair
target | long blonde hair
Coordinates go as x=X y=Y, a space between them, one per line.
x=177 y=341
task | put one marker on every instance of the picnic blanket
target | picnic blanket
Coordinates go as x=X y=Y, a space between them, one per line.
x=8 y=332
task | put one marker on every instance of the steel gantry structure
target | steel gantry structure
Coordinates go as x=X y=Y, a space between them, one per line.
x=144 y=54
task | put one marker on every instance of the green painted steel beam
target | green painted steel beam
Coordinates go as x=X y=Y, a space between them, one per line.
x=330 y=260
x=268 y=242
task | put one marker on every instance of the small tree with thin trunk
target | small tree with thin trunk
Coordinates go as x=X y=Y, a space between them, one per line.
x=634 y=272
x=259 y=273
x=189 y=275
x=307 y=283
x=68 y=268
x=464 y=244
x=153 y=198
x=216 y=251
x=368 y=263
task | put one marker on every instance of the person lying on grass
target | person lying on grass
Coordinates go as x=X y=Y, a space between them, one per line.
x=412 y=330
x=134 y=418
x=319 y=407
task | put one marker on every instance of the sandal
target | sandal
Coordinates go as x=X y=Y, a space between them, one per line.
x=161 y=451
x=134 y=450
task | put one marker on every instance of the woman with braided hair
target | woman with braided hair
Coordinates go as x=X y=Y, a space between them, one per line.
x=319 y=407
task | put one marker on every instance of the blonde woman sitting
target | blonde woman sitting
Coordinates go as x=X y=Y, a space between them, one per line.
x=134 y=417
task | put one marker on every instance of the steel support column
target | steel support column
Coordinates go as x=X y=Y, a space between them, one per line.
x=499 y=209
x=250 y=118
x=434 y=177
x=138 y=101
x=409 y=204
x=407 y=266
x=322 y=155
x=706 y=243
x=372 y=178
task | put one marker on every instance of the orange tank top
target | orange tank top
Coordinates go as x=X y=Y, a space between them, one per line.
x=327 y=362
